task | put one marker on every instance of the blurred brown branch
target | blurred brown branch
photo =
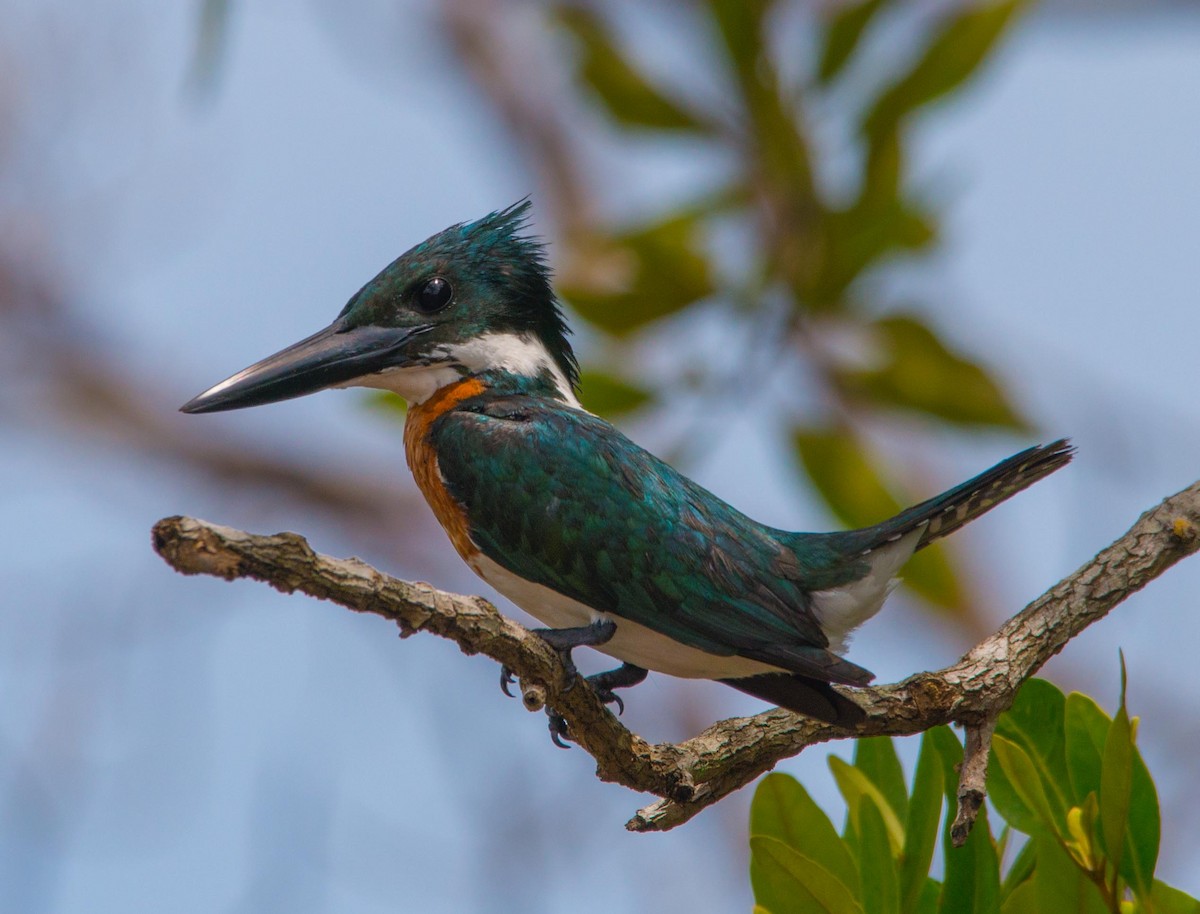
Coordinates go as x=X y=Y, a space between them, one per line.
x=696 y=773
x=70 y=383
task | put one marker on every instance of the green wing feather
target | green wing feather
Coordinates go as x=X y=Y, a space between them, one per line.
x=560 y=497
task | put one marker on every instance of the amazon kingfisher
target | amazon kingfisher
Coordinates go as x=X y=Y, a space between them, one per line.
x=605 y=544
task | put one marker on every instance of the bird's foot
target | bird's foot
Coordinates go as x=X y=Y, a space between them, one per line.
x=622 y=677
x=563 y=641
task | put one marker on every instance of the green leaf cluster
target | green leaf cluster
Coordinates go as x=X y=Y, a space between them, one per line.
x=814 y=248
x=1063 y=773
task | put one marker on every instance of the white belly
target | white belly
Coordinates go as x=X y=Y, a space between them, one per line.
x=632 y=643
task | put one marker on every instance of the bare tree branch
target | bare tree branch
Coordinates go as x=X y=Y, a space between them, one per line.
x=694 y=774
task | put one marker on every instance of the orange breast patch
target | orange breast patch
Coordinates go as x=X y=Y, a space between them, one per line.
x=422 y=460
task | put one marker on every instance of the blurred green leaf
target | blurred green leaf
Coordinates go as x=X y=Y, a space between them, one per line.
x=921 y=827
x=921 y=374
x=1059 y=885
x=783 y=809
x=838 y=465
x=607 y=395
x=854 y=787
x=212 y=43
x=857 y=239
x=957 y=48
x=386 y=403
x=779 y=164
x=1022 y=900
x=740 y=24
x=627 y=95
x=842 y=34
x=839 y=468
x=875 y=756
x=876 y=862
x=787 y=882
x=649 y=273
x=930 y=898
x=950 y=751
x=972 y=883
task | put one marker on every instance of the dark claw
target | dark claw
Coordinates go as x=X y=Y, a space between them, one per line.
x=558 y=729
x=506 y=679
x=609 y=697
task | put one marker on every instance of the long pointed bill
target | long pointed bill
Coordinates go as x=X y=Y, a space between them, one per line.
x=333 y=356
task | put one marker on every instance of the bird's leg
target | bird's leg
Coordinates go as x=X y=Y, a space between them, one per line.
x=622 y=677
x=565 y=640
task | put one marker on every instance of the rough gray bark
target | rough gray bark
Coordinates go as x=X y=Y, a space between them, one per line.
x=691 y=775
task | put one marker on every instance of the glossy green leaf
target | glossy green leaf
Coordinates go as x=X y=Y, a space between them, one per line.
x=854 y=787
x=1087 y=730
x=958 y=46
x=1116 y=785
x=921 y=826
x=921 y=374
x=626 y=93
x=1144 y=831
x=1059 y=885
x=875 y=756
x=644 y=275
x=783 y=809
x=607 y=395
x=841 y=36
x=838 y=465
x=787 y=882
x=1019 y=769
x=879 y=881
x=972 y=883
x=1035 y=723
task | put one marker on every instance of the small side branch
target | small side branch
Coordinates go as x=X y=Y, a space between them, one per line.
x=692 y=775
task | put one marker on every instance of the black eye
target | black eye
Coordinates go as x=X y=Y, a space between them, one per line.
x=433 y=296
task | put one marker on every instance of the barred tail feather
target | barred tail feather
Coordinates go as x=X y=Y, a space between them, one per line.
x=947 y=512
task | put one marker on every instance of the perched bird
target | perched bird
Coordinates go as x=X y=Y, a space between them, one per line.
x=597 y=538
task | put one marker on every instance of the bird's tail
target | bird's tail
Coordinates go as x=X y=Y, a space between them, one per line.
x=945 y=513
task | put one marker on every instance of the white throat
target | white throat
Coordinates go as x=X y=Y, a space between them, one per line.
x=519 y=353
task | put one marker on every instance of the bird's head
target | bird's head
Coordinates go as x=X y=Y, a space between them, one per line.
x=472 y=299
